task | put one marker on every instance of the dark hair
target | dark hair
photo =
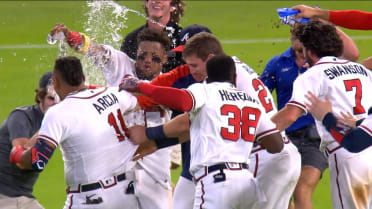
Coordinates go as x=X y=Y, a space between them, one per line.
x=160 y=36
x=221 y=68
x=177 y=13
x=320 y=38
x=202 y=45
x=70 y=70
x=40 y=93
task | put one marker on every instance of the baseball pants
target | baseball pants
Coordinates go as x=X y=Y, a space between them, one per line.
x=21 y=202
x=277 y=175
x=239 y=190
x=351 y=178
x=183 y=197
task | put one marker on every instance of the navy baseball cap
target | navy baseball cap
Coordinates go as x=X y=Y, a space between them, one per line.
x=45 y=79
x=188 y=32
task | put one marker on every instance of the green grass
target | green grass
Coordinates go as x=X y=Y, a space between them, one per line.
x=28 y=23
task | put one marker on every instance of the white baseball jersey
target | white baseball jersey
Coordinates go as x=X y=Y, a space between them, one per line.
x=277 y=173
x=87 y=125
x=216 y=133
x=347 y=85
x=115 y=65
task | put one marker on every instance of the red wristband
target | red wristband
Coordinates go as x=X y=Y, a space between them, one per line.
x=74 y=39
x=16 y=154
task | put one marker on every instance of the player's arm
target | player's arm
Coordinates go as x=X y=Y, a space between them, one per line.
x=350 y=50
x=273 y=143
x=286 y=116
x=169 y=78
x=351 y=19
x=367 y=63
x=35 y=157
x=354 y=140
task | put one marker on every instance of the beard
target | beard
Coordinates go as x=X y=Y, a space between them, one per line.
x=308 y=59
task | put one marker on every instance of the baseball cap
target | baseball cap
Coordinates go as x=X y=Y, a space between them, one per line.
x=45 y=79
x=188 y=32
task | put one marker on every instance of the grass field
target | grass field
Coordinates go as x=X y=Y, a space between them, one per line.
x=247 y=29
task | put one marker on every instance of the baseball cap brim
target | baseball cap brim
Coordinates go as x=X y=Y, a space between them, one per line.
x=178 y=48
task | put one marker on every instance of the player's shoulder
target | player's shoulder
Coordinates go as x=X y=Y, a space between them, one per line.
x=242 y=67
x=133 y=34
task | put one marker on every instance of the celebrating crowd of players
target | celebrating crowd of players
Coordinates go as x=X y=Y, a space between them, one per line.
x=238 y=150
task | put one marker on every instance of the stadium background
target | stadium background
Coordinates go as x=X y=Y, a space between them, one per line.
x=247 y=29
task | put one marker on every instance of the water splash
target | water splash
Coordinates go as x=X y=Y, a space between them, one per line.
x=104 y=23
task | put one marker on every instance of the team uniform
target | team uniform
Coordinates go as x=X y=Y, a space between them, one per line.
x=346 y=84
x=95 y=151
x=277 y=173
x=153 y=171
x=279 y=74
x=220 y=143
x=181 y=78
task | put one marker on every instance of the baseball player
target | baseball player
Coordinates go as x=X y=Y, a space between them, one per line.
x=346 y=84
x=224 y=123
x=153 y=171
x=88 y=126
x=197 y=50
x=354 y=139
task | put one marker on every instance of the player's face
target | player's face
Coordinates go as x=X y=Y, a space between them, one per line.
x=298 y=52
x=307 y=57
x=158 y=9
x=197 y=67
x=49 y=100
x=150 y=59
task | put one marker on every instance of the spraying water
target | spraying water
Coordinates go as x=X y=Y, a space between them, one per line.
x=104 y=23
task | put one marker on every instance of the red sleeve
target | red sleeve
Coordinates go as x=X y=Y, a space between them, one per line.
x=351 y=19
x=169 y=78
x=173 y=98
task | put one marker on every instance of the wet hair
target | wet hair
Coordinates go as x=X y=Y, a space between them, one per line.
x=176 y=14
x=40 y=94
x=202 y=45
x=320 y=38
x=70 y=70
x=221 y=68
x=160 y=36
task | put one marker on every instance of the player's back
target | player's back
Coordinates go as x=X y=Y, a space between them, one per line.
x=216 y=133
x=346 y=83
x=92 y=141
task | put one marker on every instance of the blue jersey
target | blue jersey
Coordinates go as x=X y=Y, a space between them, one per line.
x=279 y=74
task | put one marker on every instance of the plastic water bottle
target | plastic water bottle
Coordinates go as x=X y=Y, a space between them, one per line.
x=286 y=15
x=52 y=39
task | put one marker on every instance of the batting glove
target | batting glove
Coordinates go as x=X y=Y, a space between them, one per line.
x=129 y=83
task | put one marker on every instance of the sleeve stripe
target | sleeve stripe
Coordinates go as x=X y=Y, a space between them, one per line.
x=265 y=133
x=192 y=98
x=49 y=139
x=366 y=129
x=302 y=106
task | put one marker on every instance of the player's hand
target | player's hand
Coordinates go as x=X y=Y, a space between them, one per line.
x=145 y=149
x=137 y=134
x=129 y=83
x=348 y=119
x=15 y=153
x=317 y=107
x=305 y=11
x=59 y=27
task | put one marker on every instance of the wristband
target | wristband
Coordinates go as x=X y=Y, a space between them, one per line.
x=166 y=142
x=16 y=154
x=329 y=121
x=155 y=133
x=74 y=39
x=86 y=44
